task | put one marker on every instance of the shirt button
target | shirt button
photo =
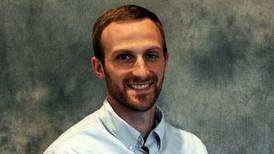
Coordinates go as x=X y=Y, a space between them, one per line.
x=140 y=141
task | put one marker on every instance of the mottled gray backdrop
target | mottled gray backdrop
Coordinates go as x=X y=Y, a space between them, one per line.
x=219 y=83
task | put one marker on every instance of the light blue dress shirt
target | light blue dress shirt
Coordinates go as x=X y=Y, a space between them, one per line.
x=104 y=132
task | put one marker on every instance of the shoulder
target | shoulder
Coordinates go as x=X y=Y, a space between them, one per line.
x=75 y=135
x=186 y=141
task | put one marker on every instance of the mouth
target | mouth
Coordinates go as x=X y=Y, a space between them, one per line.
x=140 y=86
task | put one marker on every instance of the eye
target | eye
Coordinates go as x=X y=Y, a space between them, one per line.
x=151 y=56
x=124 y=57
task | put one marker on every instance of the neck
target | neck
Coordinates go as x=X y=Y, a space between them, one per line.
x=143 y=121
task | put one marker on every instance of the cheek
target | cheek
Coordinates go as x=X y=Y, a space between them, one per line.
x=117 y=76
x=159 y=70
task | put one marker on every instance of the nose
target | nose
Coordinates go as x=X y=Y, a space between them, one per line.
x=140 y=68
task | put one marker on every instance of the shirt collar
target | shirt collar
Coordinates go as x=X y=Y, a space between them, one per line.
x=159 y=130
x=125 y=133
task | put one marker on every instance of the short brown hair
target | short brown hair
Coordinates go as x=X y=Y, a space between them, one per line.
x=122 y=13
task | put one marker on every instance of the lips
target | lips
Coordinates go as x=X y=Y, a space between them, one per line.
x=139 y=86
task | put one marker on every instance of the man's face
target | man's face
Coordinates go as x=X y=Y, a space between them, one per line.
x=134 y=63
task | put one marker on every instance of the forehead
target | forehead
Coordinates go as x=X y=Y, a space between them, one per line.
x=129 y=33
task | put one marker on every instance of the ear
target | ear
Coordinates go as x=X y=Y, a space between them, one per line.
x=97 y=67
x=166 y=56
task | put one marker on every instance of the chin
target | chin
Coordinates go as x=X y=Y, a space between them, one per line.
x=141 y=103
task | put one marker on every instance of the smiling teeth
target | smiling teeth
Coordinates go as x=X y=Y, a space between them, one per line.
x=140 y=86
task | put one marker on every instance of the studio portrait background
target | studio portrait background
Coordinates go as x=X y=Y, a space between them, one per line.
x=218 y=85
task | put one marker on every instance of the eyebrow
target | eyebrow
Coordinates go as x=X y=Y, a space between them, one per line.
x=121 y=51
x=154 y=48
x=130 y=51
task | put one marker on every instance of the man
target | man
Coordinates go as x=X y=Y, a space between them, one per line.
x=131 y=57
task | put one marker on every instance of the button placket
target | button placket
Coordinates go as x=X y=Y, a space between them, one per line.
x=140 y=141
